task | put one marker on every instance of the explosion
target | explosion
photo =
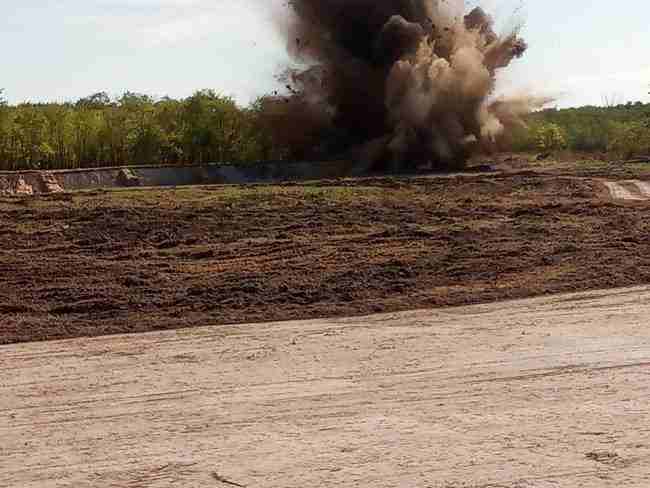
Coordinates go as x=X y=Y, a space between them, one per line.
x=396 y=82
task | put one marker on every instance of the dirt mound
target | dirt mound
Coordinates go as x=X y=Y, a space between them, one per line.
x=15 y=185
x=127 y=178
x=38 y=182
x=48 y=183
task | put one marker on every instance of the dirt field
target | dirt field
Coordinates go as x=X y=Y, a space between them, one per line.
x=546 y=393
x=94 y=263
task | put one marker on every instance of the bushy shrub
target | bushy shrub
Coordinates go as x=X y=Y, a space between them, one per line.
x=549 y=137
x=631 y=139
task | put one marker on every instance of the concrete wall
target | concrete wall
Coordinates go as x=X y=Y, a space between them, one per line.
x=207 y=175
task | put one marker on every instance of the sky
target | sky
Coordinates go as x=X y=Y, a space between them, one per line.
x=59 y=50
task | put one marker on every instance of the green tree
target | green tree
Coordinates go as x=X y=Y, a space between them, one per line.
x=549 y=137
x=59 y=135
x=135 y=129
x=30 y=126
x=631 y=139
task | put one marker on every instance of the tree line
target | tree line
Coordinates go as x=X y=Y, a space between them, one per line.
x=620 y=130
x=135 y=129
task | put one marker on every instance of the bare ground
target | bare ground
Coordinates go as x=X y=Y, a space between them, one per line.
x=540 y=393
x=95 y=263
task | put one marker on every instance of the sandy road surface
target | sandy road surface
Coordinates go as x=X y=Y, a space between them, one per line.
x=628 y=190
x=539 y=393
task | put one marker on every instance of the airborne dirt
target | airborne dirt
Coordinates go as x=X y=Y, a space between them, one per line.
x=395 y=82
x=94 y=263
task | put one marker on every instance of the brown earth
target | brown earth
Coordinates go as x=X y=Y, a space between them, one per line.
x=135 y=260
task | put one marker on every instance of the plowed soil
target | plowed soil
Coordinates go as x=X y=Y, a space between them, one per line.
x=95 y=263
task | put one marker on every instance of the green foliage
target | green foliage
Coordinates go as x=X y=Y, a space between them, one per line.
x=132 y=129
x=549 y=137
x=585 y=129
x=631 y=139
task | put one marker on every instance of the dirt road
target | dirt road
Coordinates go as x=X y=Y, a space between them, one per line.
x=539 y=393
x=634 y=190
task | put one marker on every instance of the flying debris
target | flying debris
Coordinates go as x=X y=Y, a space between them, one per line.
x=397 y=82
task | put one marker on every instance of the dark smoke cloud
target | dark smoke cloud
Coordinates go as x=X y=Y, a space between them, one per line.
x=396 y=82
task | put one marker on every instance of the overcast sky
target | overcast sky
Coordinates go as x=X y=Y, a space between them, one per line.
x=65 y=49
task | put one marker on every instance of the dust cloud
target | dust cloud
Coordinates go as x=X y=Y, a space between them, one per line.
x=395 y=83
